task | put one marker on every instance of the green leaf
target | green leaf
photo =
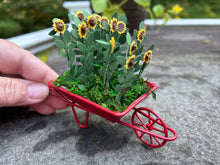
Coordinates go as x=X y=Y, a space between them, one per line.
x=81 y=87
x=71 y=17
x=63 y=54
x=115 y=15
x=143 y=3
x=52 y=32
x=76 y=20
x=122 y=39
x=121 y=79
x=141 y=25
x=99 y=6
x=123 y=18
x=74 y=33
x=60 y=44
x=158 y=10
x=135 y=32
x=151 y=47
x=128 y=37
x=81 y=46
x=121 y=60
x=67 y=36
x=106 y=26
x=104 y=43
x=113 y=65
x=123 y=48
x=53 y=20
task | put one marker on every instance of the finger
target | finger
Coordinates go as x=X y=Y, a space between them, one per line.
x=18 y=92
x=16 y=60
x=55 y=102
x=43 y=108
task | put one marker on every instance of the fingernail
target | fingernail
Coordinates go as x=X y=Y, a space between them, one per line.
x=37 y=91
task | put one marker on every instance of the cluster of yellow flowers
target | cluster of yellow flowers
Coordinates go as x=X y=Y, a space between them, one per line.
x=91 y=22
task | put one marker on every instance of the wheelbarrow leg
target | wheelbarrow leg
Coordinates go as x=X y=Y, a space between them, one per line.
x=77 y=119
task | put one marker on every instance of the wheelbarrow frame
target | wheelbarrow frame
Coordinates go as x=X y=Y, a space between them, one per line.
x=89 y=106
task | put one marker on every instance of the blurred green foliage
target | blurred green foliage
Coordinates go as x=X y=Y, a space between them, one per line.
x=194 y=8
x=23 y=16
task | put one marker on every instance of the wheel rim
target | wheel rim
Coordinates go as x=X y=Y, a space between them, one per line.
x=148 y=120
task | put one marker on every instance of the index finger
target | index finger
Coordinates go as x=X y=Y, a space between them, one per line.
x=17 y=61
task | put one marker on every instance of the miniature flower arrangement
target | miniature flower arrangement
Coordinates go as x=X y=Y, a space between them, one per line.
x=104 y=64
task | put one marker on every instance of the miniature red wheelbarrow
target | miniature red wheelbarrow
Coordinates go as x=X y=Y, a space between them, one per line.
x=147 y=125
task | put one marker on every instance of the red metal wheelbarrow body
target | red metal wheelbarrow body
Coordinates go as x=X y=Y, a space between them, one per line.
x=147 y=125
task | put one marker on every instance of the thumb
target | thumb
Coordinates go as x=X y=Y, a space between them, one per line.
x=18 y=92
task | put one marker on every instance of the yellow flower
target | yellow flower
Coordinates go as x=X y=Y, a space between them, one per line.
x=82 y=30
x=130 y=62
x=133 y=47
x=59 y=26
x=103 y=19
x=91 y=21
x=121 y=27
x=177 y=8
x=98 y=17
x=113 y=25
x=112 y=41
x=147 y=56
x=80 y=15
x=141 y=35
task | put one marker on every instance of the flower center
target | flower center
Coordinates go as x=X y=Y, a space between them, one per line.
x=142 y=35
x=83 y=29
x=81 y=16
x=92 y=21
x=121 y=27
x=60 y=26
x=114 y=25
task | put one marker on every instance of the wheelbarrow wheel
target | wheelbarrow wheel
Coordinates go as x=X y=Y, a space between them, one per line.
x=147 y=126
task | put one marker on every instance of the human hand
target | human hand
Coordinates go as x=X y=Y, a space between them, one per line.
x=23 y=80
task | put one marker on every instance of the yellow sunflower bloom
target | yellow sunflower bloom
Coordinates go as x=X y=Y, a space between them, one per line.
x=130 y=62
x=59 y=26
x=112 y=41
x=147 y=56
x=91 y=21
x=82 y=30
x=121 y=27
x=113 y=24
x=98 y=17
x=133 y=47
x=80 y=15
x=141 y=35
x=103 y=19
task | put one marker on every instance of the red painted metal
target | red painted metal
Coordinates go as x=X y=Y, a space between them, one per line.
x=148 y=126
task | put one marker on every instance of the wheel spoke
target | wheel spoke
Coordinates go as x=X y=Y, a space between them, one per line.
x=156 y=129
x=143 y=125
x=157 y=140
x=138 y=124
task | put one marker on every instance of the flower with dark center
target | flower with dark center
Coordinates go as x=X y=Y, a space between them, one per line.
x=147 y=56
x=141 y=35
x=121 y=27
x=113 y=25
x=130 y=62
x=103 y=19
x=80 y=15
x=91 y=21
x=133 y=47
x=59 y=26
x=82 y=30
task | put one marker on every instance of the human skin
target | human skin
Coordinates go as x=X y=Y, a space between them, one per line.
x=24 y=79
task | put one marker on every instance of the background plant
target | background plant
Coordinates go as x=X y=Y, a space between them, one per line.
x=105 y=65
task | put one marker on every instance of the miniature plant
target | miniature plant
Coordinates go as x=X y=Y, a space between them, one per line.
x=105 y=65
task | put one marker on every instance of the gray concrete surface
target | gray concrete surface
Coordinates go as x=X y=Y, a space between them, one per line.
x=186 y=67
